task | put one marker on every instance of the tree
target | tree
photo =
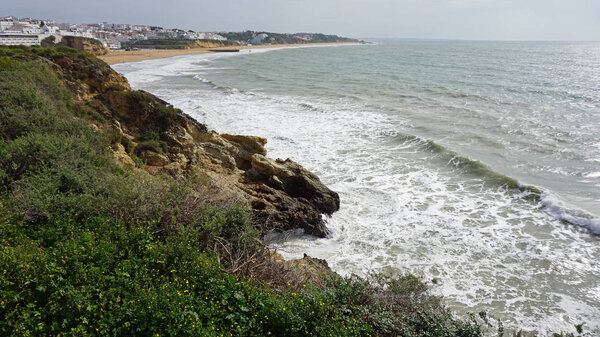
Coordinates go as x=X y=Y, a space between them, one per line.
x=48 y=42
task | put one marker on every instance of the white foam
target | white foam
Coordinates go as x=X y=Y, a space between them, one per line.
x=557 y=209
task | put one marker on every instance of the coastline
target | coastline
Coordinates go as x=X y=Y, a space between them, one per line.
x=122 y=56
x=244 y=141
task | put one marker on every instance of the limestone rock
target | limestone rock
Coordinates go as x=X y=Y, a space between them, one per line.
x=91 y=46
x=154 y=159
x=305 y=270
x=122 y=157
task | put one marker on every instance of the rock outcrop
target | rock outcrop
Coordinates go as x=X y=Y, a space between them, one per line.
x=91 y=46
x=280 y=194
x=305 y=270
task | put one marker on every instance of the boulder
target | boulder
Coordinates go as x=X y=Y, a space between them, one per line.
x=154 y=159
x=122 y=158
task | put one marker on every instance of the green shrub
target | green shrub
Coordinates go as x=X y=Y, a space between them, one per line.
x=157 y=117
x=149 y=135
x=99 y=277
x=224 y=223
x=150 y=145
x=139 y=163
x=127 y=144
x=114 y=136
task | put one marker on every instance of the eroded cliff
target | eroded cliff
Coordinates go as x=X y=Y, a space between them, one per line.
x=280 y=194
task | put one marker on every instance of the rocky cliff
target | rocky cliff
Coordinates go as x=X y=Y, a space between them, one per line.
x=91 y=46
x=279 y=194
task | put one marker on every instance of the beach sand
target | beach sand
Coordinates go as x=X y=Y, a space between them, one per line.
x=123 y=56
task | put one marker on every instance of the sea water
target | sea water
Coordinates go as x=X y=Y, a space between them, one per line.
x=474 y=164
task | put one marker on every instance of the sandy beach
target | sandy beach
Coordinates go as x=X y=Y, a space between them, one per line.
x=123 y=56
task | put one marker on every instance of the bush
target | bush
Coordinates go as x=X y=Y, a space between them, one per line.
x=127 y=144
x=116 y=137
x=224 y=223
x=150 y=145
x=157 y=117
x=139 y=163
x=150 y=141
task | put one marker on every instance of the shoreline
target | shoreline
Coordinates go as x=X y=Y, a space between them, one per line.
x=122 y=56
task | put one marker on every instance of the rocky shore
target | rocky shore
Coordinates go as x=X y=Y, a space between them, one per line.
x=280 y=194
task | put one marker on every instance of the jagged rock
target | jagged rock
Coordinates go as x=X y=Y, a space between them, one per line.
x=248 y=144
x=304 y=270
x=281 y=194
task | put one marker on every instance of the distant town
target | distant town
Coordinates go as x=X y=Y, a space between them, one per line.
x=30 y=32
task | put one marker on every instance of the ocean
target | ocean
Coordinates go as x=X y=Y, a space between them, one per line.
x=475 y=165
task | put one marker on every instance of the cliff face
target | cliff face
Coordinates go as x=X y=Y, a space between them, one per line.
x=279 y=194
x=91 y=46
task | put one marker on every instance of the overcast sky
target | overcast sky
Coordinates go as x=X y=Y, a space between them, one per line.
x=432 y=19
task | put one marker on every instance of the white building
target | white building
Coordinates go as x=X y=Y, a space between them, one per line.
x=16 y=39
x=112 y=44
x=258 y=39
x=25 y=29
x=305 y=37
x=50 y=30
x=77 y=33
x=210 y=36
x=5 y=24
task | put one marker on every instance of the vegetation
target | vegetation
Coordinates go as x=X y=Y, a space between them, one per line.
x=278 y=38
x=232 y=40
x=177 y=44
x=92 y=249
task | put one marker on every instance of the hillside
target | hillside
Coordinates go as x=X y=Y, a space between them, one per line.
x=120 y=215
x=177 y=44
x=282 y=38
